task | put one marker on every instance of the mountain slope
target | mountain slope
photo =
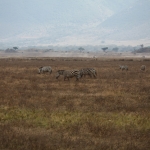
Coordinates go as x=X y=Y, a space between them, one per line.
x=131 y=24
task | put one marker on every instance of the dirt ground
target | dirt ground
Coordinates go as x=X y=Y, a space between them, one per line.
x=25 y=54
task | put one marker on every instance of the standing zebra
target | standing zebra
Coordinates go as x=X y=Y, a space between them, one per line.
x=123 y=68
x=143 y=68
x=68 y=74
x=88 y=71
x=45 y=69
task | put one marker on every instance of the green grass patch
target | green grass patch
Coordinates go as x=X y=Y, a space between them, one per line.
x=42 y=118
x=34 y=117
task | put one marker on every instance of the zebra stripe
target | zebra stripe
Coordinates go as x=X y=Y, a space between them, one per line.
x=45 y=69
x=88 y=71
x=123 y=68
x=68 y=74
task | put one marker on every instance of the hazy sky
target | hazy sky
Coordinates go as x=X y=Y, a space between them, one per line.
x=58 y=21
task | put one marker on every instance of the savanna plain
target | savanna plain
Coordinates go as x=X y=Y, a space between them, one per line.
x=40 y=112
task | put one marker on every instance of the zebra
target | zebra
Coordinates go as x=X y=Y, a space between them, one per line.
x=123 y=68
x=88 y=71
x=68 y=74
x=143 y=68
x=45 y=69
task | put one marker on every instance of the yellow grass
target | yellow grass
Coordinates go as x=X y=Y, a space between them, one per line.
x=37 y=111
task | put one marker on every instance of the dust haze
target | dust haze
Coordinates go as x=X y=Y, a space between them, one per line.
x=94 y=55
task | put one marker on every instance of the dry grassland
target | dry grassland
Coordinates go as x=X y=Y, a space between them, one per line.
x=38 y=112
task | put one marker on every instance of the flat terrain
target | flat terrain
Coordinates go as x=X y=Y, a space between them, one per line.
x=85 y=54
x=37 y=111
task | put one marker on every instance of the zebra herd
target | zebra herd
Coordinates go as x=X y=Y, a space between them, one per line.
x=79 y=73
x=70 y=73
x=124 y=67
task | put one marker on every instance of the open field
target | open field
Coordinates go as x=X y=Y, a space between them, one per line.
x=39 y=112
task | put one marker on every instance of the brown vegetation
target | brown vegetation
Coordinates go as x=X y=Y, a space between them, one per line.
x=39 y=112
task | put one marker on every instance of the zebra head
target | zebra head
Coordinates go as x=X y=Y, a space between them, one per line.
x=120 y=67
x=40 y=70
x=81 y=73
x=143 y=68
x=79 y=76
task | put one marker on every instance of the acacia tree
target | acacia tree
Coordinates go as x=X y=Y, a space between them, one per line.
x=142 y=46
x=104 y=49
x=15 y=48
x=81 y=49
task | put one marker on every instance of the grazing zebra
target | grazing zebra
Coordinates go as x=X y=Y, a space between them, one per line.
x=143 y=68
x=68 y=74
x=88 y=71
x=45 y=69
x=59 y=72
x=123 y=68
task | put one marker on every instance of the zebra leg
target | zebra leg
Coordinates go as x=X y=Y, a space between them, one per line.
x=77 y=78
x=64 y=78
x=57 y=76
x=90 y=75
x=84 y=75
x=94 y=75
x=67 y=78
